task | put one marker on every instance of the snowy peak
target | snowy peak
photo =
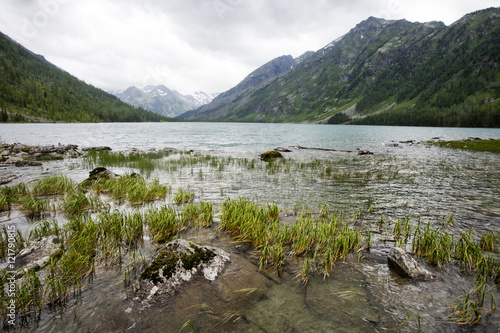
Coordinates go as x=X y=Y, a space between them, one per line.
x=162 y=100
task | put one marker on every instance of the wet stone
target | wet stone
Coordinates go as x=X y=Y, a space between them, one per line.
x=270 y=155
x=406 y=266
x=175 y=264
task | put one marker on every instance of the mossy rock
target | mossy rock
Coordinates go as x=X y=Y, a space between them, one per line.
x=270 y=155
x=96 y=174
x=175 y=264
x=167 y=262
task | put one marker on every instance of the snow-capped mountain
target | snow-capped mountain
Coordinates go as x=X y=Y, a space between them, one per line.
x=161 y=100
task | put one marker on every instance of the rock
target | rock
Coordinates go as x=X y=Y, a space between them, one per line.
x=8 y=178
x=175 y=264
x=97 y=148
x=282 y=150
x=270 y=155
x=24 y=163
x=37 y=255
x=18 y=153
x=98 y=173
x=101 y=173
x=406 y=266
x=168 y=150
x=364 y=152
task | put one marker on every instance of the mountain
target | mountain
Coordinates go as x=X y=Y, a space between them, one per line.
x=161 y=100
x=222 y=105
x=33 y=89
x=381 y=72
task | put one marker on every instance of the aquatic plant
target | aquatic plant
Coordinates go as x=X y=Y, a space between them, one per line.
x=29 y=296
x=488 y=241
x=467 y=251
x=34 y=206
x=163 y=223
x=435 y=245
x=45 y=228
x=6 y=198
x=248 y=222
x=468 y=309
x=199 y=215
x=79 y=202
x=182 y=196
x=53 y=185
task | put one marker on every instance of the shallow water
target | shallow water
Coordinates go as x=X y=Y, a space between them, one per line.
x=360 y=295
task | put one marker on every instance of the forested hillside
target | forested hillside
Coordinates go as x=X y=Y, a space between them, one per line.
x=32 y=89
x=388 y=73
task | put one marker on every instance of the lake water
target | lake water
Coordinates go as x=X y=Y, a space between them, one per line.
x=362 y=294
x=229 y=138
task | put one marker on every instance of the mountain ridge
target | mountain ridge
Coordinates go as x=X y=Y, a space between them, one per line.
x=33 y=89
x=386 y=72
x=162 y=100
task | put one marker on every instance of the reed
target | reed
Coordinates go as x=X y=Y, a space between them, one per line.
x=467 y=251
x=435 y=245
x=45 y=228
x=198 y=215
x=163 y=223
x=488 y=241
x=34 y=206
x=6 y=198
x=182 y=196
x=467 y=309
x=79 y=202
x=326 y=238
x=29 y=296
x=487 y=268
x=54 y=185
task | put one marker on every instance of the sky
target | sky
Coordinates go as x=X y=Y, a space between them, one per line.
x=195 y=45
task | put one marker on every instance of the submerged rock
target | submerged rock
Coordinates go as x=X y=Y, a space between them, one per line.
x=173 y=265
x=406 y=266
x=38 y=254
x=97 y=148
x=364 y=152
x=270 y=155
x=5 y=179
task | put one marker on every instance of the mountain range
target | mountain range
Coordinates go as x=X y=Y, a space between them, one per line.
x=33 y=89
x=161 y=100
x=386 y=72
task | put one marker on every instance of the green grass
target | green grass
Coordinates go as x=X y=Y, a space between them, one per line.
x=327 y=239
x=79 y=202
x=53 y=185
x=131 y=188
x=182 y=196
x=471 y=144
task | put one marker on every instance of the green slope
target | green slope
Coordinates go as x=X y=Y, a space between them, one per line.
x=32 y=89
x=387 y=72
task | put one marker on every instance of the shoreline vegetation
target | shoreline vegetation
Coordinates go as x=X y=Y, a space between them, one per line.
x=477 y=144
x=109 y=221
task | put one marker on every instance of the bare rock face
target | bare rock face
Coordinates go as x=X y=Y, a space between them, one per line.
x=406 y=266
x=175 y=264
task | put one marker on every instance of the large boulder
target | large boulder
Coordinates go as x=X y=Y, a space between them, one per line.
x=270 y=155
x=406 y=266
x=98 y=173
x=175 y=264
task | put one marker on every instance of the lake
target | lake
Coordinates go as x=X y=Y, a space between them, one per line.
x=452 y=190
x=229 y=138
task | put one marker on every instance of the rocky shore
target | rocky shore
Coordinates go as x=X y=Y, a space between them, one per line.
x=24 y=155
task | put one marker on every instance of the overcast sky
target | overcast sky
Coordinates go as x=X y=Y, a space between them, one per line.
x=192 y=45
